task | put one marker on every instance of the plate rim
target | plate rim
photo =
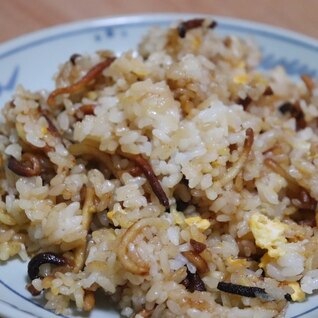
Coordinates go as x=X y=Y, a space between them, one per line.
x=21 y=42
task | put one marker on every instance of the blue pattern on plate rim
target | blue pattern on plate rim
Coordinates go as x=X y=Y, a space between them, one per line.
x=269 y=60
x=18 y=308
x=11 y=82
x=293 y=67
x=29 y=300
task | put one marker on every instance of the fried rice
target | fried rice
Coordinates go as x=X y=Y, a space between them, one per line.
x=176 y=181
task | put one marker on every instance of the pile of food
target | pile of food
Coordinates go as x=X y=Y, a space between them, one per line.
x=179 y=181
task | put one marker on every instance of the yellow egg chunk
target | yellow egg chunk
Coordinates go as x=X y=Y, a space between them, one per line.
x=110 y=215
x=201 y=224
x=44 y=130
x=197 y=42
x=265 y=260
x=268 y=234
x=260 y=79
x=240 y=79
x=298 y=294
x=238 y=262
x=119 y=218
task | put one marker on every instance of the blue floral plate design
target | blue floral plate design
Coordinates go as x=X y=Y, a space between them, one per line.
x=32 y=59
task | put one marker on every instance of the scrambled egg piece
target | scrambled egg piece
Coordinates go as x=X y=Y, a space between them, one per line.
x=119 y=218
x=44 y=130
x=197 y=42
x=265 y=260
x=201 y=224
x=238 y=263
x=268 y=234
x=298 y=294
x=244 y=79
x=215 y=164
x=110 y=215
x=240 y=79
x=223 y=151
x=260 y=79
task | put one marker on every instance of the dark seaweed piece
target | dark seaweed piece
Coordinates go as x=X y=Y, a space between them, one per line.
x=213 y=25
x=245 y=102
x=186 y=282
x=232 y=147
x=181 y=206
x=247 y=291
x=268 y=91
x=185 y=26
x=43 y=258
x=295 y=111
x=73 y=58
x=193 y=282
x=307 y=221
x=286 y=107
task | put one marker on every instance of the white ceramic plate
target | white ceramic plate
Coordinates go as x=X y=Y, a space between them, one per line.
x=32 y=60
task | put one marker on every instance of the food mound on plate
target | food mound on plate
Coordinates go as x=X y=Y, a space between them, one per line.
x=178 y=181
